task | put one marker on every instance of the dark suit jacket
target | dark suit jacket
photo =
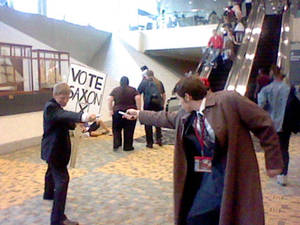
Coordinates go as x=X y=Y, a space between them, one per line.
x=56 y=144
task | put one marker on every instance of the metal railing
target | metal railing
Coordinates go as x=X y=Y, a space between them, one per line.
x=283 y=61
x=241 y=69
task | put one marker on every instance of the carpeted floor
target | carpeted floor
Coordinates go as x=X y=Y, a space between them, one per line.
x=122 y=188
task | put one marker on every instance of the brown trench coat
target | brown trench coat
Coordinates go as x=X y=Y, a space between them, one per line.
x=231 y=117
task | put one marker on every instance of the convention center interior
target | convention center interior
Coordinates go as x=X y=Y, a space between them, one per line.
x=149 y=112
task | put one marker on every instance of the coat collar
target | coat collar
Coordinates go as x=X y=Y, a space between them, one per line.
x=55 y=102
x=210 y=100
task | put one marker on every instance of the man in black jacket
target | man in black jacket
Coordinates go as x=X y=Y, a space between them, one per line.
x=56 y=150
x=145 y=89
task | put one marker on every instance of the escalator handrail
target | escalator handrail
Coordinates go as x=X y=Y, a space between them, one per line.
x=284 y=43
x=235 y=71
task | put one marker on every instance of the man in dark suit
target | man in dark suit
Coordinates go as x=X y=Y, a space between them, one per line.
x=56 y=150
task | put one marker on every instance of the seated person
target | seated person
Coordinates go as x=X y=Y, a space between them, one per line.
x=92 y=129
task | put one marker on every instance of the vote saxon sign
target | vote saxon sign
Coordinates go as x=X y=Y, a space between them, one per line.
x=87 y=88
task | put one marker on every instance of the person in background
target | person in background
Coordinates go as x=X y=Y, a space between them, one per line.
x=213 y=18
x=120 y=99
x=237 y=8
x=146 y=89
x=144 y=70
x=92 y=129
x=229 y=15
x=262 y=80
x=56 y=150
x=216 y=174
x=216 y=41
x=248 y=4
x=239 y=31
x=216 y=44
x=274 y=99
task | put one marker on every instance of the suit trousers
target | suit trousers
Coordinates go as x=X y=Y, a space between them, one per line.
x=56 y=183
x=128 y=126
x=209 y=218
x=149 y=134
x=284 y=139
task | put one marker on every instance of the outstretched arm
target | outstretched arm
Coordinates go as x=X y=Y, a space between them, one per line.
x=158 y=119
x=259 y=122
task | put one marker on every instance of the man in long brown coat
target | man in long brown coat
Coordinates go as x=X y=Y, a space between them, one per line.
x=227 y=191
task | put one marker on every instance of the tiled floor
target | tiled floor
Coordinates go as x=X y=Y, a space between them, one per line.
x=119 y=188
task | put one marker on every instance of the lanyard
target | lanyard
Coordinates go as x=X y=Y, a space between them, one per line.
x=199 y=136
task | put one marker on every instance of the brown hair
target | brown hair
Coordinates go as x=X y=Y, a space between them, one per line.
x=192 y=86
x=151 y=76
x=276 y=72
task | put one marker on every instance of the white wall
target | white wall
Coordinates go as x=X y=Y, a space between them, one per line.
x=81 y=41
x=20 y=131
x=296 y=30
x=13 y=135
x=115 y=59
x=180 y=37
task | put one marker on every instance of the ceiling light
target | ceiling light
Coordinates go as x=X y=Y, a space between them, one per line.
x=287 y=29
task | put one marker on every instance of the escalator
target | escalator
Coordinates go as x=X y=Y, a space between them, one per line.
x=262 y=50
x=267 y=49
x=266 y=42
x=227 y=73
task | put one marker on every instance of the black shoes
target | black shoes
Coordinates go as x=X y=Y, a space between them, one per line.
x=116 y=148
x=69 y=222
x=159 y=143
x=48 y=197
x=149 y=145
x=128 y=149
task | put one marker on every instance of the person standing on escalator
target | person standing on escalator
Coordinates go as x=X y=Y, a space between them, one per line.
x=216 y=45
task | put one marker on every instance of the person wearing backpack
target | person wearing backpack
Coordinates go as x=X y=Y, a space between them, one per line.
x=154 y=99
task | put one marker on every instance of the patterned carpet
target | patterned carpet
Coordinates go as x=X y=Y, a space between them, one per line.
x=119 y=188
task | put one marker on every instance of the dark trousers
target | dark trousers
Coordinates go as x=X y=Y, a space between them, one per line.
x=128 y=126
x=56 y=184
x=248 y=8
x=284 y=139
x=209 y=218
x=149 y=134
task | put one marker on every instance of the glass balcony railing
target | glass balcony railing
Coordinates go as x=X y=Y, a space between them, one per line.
x=194 y=17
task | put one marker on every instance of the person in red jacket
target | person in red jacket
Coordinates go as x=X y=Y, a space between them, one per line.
x=216 y=41
x=216 y=45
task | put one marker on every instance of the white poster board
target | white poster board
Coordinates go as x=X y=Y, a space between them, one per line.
x=87 y=88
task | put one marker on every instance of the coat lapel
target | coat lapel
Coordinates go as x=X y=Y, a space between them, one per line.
x=214 y=119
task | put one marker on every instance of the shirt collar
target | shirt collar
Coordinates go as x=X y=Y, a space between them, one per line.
x=202 y=106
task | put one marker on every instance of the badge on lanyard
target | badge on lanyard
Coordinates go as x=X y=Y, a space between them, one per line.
x=202 y=164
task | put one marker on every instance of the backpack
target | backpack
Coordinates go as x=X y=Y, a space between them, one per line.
x=153 y=96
